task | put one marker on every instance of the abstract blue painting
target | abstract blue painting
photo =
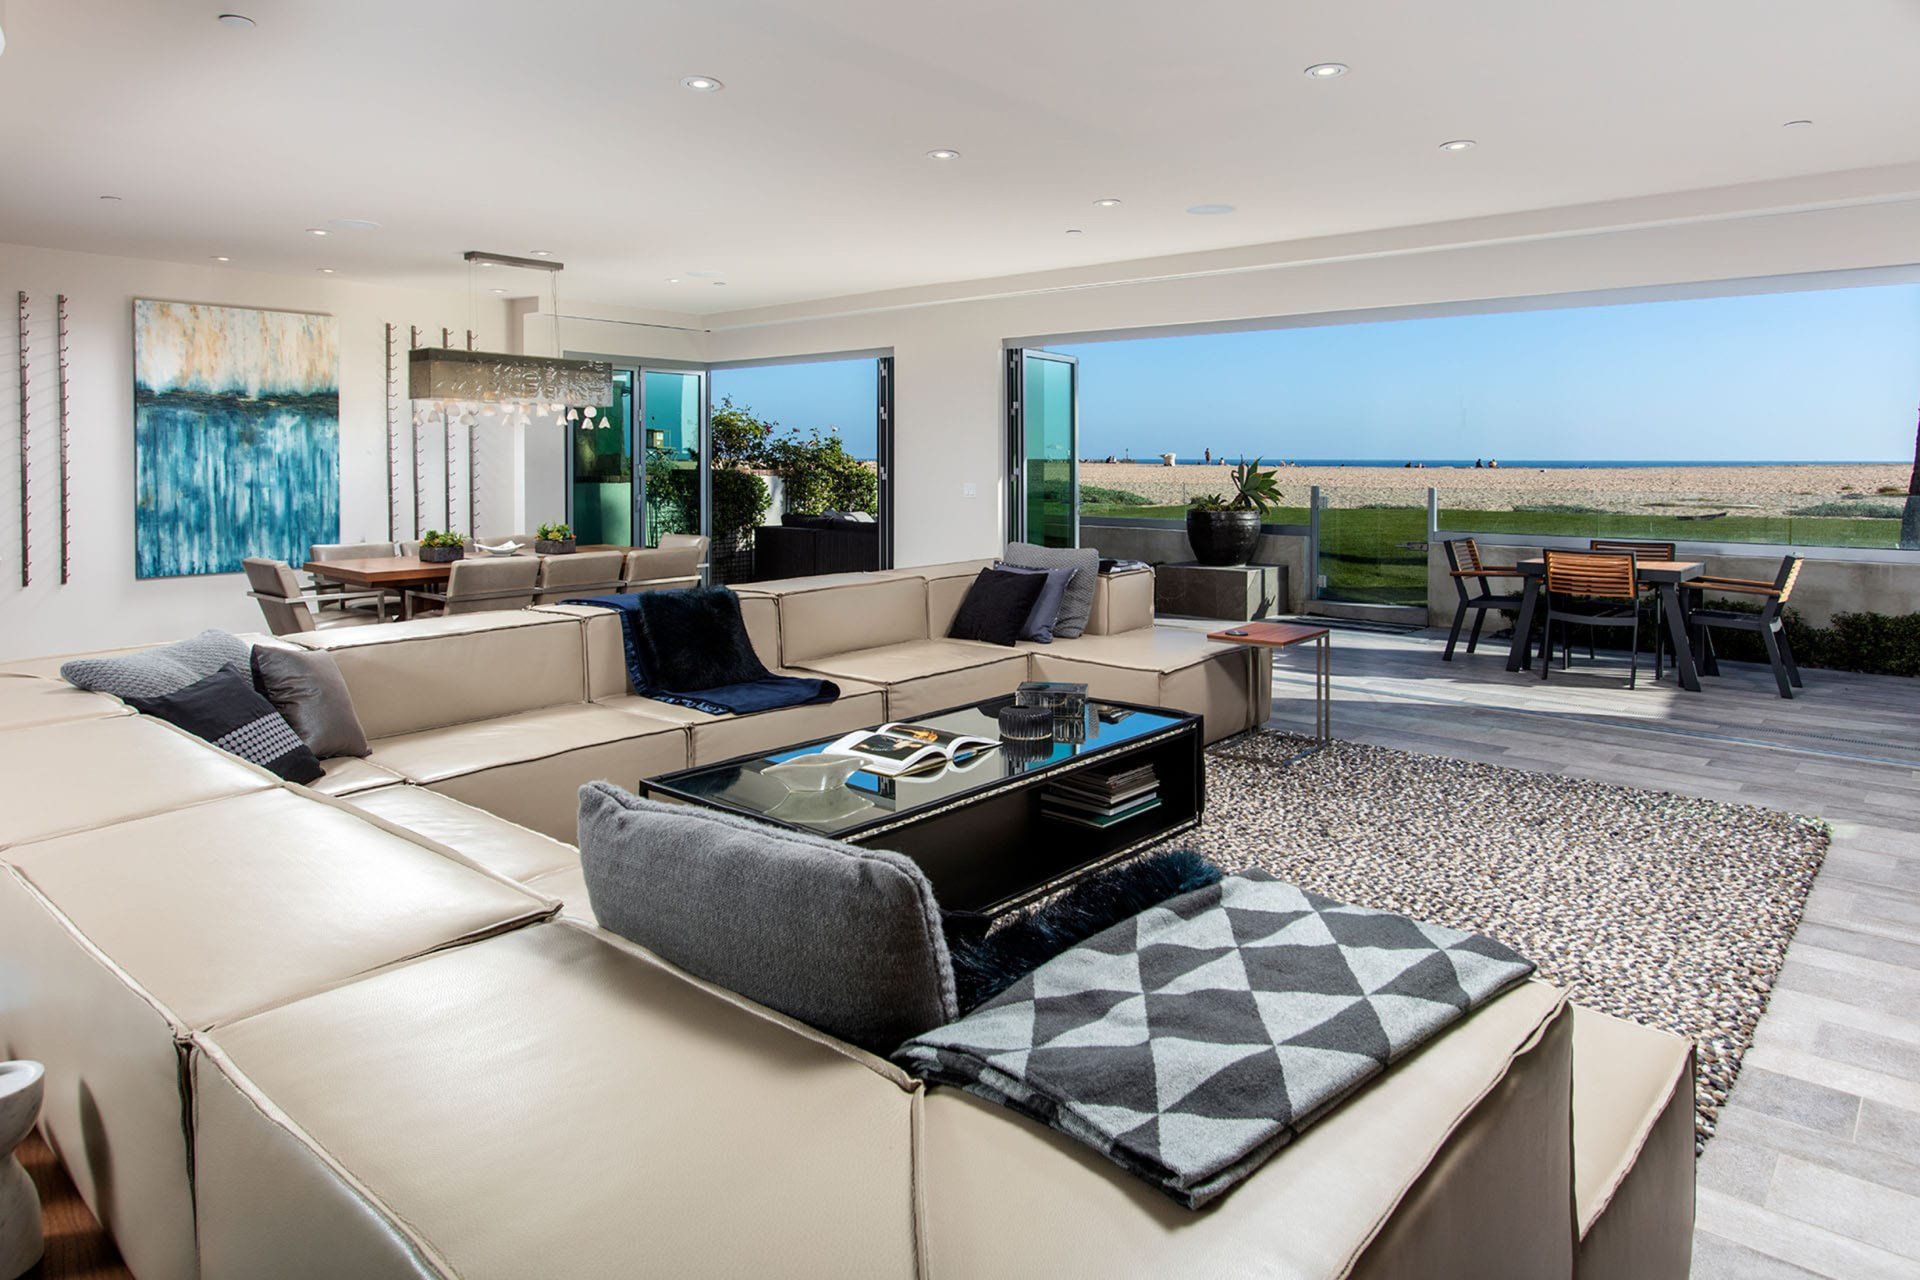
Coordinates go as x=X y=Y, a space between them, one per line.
x=236 y=436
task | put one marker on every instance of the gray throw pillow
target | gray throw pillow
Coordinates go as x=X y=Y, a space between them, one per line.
x=155 y=673
x=842 y=938
x=1077 y=604
x=1046 y=607
x=307 y=688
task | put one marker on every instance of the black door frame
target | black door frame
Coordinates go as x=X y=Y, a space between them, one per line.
x=1017 y=530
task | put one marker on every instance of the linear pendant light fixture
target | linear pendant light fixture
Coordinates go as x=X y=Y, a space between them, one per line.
x=469 y=382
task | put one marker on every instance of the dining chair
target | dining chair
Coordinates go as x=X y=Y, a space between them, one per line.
x=1767 y=623
x=1642 y=550
x=583 y=573
x=290 y=611
x=1592 y=589
x=674 y=564
x=478 y=586
x=1465 y=566
x=378 y=602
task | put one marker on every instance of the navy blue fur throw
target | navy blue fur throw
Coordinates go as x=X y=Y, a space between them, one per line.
x=984 y=966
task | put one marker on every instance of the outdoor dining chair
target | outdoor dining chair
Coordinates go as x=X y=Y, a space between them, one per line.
x=1464 y=565
x=1640 y=551
x=1591 y=589
x=1767 y=623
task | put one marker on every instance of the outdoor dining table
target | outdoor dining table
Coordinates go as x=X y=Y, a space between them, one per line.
x=1665 y=576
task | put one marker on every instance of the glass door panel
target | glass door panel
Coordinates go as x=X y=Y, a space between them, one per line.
x=603 y=470
x=670 y=435
x=1046 y=449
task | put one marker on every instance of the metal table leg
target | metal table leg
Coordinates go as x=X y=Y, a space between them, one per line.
x=1520 y=652
x=1683 y=664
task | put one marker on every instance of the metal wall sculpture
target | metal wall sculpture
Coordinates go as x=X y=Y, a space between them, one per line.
x=26 y=456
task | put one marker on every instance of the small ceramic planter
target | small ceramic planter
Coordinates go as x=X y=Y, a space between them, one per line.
x=554 y=546
x=442 y=555
x=21 y=1243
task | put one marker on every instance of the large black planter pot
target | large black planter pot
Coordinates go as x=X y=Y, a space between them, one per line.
x=1223 y=537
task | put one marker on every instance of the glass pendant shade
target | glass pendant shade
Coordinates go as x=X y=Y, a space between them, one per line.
x=487 y=377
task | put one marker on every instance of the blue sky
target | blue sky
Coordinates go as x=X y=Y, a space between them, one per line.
x=820 y=394
x=1814 y=376
x=1829 y=375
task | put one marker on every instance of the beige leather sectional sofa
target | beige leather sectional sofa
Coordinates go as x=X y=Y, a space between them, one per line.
x=376 y=1033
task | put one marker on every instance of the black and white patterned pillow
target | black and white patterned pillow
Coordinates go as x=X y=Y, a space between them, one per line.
x=1077 y=604
x=153 y=673
x=226 y=710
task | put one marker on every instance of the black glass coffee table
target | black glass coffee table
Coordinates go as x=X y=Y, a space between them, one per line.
x=986 y=831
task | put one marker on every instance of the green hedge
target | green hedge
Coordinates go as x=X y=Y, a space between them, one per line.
x=1875 y=643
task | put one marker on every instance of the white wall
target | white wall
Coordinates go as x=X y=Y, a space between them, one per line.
x=104 y=605
x=949 y=378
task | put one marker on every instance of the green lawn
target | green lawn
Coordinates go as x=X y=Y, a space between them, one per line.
x=1378 y=554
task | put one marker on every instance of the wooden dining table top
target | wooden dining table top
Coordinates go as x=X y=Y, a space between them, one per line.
x=1649 y=570
x=396 y=571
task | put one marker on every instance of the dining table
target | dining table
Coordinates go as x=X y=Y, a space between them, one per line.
x=1666 y=577
x=404 y=574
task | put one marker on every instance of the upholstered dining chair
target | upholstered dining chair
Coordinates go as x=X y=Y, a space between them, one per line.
x=377 y=602
x=1464 y=564
x=676 y=562
x=584 y=573
x=289 y=611
x=1591 y=589
x=1767 y=623
x=477 y=586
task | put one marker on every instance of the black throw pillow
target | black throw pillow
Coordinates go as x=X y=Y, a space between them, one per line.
x=226 y=710
x=997 y=606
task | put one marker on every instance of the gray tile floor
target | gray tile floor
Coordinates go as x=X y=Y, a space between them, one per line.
x=1816 y=1169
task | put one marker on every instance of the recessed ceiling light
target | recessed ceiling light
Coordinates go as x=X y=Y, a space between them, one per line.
x=1108 y=203
x=238 y=21
x=1208 y=209
x=499 y=290
x=1458 y=144
x=943 y=153
x=109 y=199
x=719 y=282
x=221 y=257
x=1327 y=70
x=318 y=231
x=353 y=224
x=702 y=84
x=326 y=271
x=1795 y=124
x=539 y=253
x=1075 y=231
x=673 y=279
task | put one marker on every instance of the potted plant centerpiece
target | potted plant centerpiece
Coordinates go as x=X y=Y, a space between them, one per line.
x=1224 y=531
x=554 y=539
x=437 y=547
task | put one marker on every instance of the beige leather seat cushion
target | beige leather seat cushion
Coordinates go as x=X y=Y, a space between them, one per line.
x=349 y=775
x=551 y=1104
x=1165 y=667
x=88 y=773
x=26 y=701
x=717 y=738
x=117 y=942
x=569 y=887
x=1633 y=1159
x=529 y=767
x=1121 y=602
x=828 y=618
x=406 y=677
x=1485 y=1107
x=502 y=847
x=922 y=676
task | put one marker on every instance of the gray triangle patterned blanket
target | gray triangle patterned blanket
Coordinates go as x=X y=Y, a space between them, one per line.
x=1193 y=1041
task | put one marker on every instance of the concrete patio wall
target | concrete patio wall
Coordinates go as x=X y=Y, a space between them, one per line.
x=1826 y=585
x=1167 y=544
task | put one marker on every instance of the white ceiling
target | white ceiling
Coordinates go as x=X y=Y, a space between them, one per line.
x=510 y=126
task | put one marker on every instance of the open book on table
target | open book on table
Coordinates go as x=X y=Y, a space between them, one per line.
x=895 y=750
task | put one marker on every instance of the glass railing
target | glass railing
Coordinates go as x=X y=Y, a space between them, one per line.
x=1844 y=519
x=1373 y=545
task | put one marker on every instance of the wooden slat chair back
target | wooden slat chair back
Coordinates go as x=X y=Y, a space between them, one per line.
x=1465 y=566
x=1592 y=575
x=1767 y=623
x=1638 y=550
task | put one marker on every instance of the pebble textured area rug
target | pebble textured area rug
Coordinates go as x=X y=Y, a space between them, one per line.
x=1668 y=911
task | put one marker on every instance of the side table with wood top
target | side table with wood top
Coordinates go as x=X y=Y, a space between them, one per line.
x=1282 y=635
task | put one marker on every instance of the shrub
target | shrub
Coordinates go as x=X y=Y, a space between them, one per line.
x=1878 y=644
x=1099 y=494
x=439 y=538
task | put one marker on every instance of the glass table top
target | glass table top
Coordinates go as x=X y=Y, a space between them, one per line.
x=868 y=799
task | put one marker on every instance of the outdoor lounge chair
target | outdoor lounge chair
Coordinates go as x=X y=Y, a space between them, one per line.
x=1766 y=623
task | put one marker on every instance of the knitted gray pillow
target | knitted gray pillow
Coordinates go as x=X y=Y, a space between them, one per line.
x=1077 y=604
x=155 y=673
x=842 y=938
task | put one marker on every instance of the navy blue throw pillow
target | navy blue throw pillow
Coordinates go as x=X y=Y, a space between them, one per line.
x=997 y=606
x=226 y=710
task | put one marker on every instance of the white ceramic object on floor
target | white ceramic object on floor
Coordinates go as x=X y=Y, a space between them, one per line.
x=20 y=1240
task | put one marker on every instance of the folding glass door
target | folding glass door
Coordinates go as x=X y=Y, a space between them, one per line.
x=1043 y=419
x=614 y=502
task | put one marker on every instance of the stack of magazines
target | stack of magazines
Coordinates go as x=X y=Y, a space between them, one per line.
x=1095 y=798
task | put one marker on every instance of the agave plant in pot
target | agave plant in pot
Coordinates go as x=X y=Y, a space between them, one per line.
x=1224 y=531
x=442 y=547
x=554 y=540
